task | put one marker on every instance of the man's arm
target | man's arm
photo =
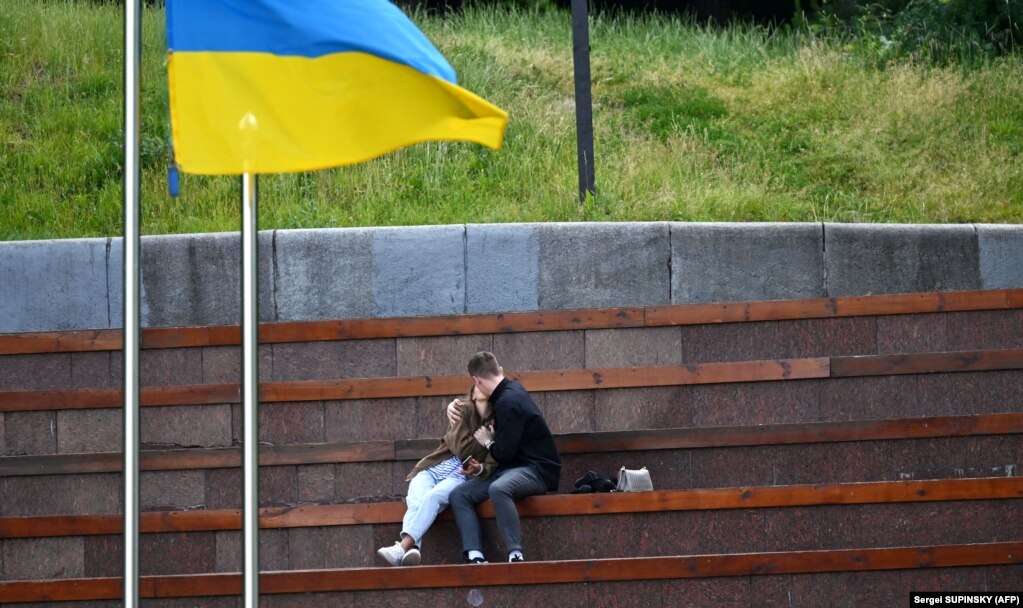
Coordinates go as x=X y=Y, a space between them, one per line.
x=454 y=415
x=509 y=426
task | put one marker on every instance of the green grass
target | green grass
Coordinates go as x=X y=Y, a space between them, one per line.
x=691 y=124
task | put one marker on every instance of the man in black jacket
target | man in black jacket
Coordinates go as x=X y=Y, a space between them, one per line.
x=527 y=461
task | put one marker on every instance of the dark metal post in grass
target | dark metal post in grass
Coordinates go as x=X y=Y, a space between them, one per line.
x=583 y=99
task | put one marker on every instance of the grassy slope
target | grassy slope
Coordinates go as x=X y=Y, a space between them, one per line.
x=690 y=125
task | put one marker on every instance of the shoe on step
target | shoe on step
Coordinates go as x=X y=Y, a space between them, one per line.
x=412 y=557
x=393 y=555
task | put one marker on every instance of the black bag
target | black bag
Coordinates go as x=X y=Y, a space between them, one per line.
x=593 y=481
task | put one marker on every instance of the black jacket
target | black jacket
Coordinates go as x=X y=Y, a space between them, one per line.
x=521 y=436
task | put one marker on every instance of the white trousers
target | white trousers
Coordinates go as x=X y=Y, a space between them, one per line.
x=426 y=499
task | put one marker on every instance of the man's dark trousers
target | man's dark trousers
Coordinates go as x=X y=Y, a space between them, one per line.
x=503 y=488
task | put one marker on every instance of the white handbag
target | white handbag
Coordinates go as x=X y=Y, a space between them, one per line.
x=634 y=480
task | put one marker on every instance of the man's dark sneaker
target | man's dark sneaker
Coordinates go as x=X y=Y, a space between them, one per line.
x=478 y=560
x=516 y=558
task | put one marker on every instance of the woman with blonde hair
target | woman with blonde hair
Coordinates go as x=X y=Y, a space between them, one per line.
x=436 y=475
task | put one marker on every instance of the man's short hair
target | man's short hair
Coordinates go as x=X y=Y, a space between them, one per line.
x=484 y=365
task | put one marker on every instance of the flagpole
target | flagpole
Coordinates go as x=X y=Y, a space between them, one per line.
x=250 y=389
x=132 y=60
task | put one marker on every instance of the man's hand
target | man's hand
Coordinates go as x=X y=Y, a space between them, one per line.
x=454 y=416
x=484 y=434
x=471 y=468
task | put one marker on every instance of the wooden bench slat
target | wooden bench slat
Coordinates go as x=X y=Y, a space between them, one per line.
x=960 y=361
x=198 y=458
x=879 y=492
x=89 y=340
x=100 y=398
x=573 y=443
x=529 y=573
x=420 y=386
x=847 y=306
x=785 y=434
x=454 y=325
x=649 y=568
x=64 y=590
x=538 y=381
x=774 y=496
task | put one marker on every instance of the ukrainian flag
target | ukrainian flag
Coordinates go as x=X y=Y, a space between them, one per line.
x=273 y=86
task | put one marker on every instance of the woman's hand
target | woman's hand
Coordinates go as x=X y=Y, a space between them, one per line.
x=471 y=468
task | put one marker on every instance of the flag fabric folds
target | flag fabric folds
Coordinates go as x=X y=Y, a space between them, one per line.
x=275 y=86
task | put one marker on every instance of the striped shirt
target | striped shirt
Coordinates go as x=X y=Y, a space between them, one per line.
x=447 y=468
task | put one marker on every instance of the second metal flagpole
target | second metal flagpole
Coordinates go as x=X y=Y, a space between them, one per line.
x=250 y=391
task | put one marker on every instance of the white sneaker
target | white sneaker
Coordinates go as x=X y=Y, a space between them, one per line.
x=393 y=555
x=412 y=557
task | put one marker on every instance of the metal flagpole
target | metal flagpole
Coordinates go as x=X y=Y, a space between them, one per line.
x=250 y=389
x=583 y=99
x=132 y=60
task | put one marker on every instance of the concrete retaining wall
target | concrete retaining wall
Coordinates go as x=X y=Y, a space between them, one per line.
x=430 y=270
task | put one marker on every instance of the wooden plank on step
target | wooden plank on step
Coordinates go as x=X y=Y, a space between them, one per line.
x=555 y=320
x=551 y=380
x=649 y=568
x=550 y=505
x=529 y=573
x=43 y=526
x=324 y=453
x=62 y=590
x=92 y=398
x=363 y=388
x=454 y=325
x=847 y=306
x=332 y=515
x=191 y=337
x=879 y=492
x=537 y=381
x=76 y=341
x=781 y=434
x=201 y=520
x=414 y=449
x=673 y=375
x=197 y=458
x=572 y=443
x=315 y=331
x=959 y=361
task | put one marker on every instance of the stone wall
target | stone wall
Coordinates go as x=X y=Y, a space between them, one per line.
x=437 y=270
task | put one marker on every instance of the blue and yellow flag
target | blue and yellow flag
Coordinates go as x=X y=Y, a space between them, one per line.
x=272 y=86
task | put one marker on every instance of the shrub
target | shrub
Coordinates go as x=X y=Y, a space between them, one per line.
x=938 y=31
